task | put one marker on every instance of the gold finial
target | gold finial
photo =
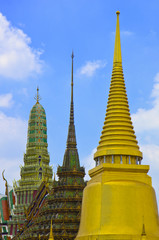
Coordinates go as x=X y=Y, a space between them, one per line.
x=117 y=50
x=51 y=234
x=6 y=192
x=6 y=183
x=39 y=236
x=37 y=97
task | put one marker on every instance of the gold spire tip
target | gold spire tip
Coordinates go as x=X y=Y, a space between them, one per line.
x=37 y=97
x=117 y=12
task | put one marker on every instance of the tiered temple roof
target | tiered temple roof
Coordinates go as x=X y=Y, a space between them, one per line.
x=36 y=167
x=63 y=203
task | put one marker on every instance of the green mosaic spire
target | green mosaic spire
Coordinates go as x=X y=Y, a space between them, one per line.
x=63 y=203
x=37 y=130
x=36 y=164
x=36 y=160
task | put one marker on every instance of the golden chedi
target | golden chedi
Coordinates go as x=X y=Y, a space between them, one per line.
x=119 y=199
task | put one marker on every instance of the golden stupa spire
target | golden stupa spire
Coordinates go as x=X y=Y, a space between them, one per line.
x=119 y=192
x=37 y=97
x=118 y=141
x=117 y=49
x=51 y=234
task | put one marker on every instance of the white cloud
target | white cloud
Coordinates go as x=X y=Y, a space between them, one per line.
x=151 y=155
x=17 y=59
x=146 y=123
x=90 y=68
x=126 y=33
x=6 y=100
x=13 y=132
x=11 y=129
x=148 y=119
x=23 y=91
x=88 y=163
x=12 y=171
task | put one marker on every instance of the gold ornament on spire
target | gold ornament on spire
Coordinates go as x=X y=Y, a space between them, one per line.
x=6 y=192
x=6 y=183
x=51 y=237
x=37 y=97
x=118 y=141
x=117 y=49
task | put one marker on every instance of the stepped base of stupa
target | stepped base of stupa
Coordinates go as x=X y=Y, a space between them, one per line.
x=117 y=202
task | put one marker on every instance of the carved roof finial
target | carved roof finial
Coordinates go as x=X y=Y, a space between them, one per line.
x=6 y=183
x=51 y=234
x=37 y=97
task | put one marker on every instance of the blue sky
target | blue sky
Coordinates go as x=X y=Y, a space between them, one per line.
x=36 y=41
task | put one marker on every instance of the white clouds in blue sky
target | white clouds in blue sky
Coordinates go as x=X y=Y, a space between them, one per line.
x=146 y=123
x=6 y=100
x=17 y=59
x=90 y=68
x=85 y=26
x=125 y=33
x=148 y=119
x=12 y=143
x=89 y=163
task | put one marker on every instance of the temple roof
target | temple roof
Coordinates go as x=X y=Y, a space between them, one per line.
x=118 y=136
x=71 y=158
x=37 y=130
x=71 y=138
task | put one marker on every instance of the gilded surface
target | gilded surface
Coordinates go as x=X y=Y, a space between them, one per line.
x=119 y=201
x=118 y=137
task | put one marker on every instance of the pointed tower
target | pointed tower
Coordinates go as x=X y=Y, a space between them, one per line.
x=71 y=158
x=63 y=204
x=71 y=183
x=51 y=234
x=118 y=141
x=36 y=165
x=120 y=192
